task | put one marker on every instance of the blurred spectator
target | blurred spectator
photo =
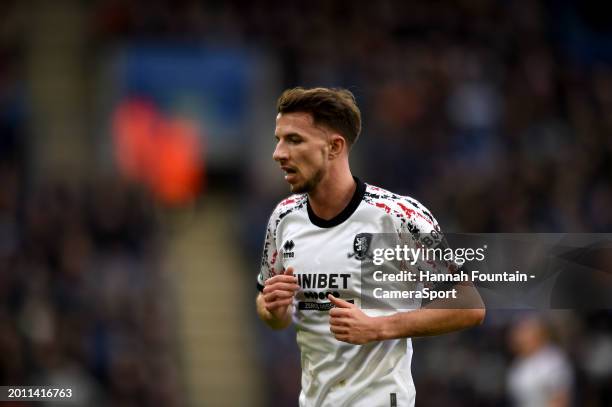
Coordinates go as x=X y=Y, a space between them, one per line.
x=541 y=375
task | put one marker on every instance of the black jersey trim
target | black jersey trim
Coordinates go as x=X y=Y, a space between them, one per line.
x=346 y=212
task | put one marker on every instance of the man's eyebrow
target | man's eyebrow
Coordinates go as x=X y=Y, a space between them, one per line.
x=292 y=134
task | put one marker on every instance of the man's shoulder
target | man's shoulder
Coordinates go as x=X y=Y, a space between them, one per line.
x=289 y=205
x=402 y=206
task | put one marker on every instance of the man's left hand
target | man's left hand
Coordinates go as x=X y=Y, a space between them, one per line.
x=349 y=324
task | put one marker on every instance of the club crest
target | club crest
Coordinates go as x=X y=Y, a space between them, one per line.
x=361 y=245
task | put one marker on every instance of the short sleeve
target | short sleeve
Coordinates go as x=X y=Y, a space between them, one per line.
x=421 y=231
x=270 y=266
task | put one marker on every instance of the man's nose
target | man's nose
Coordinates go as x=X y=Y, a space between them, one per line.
x=280 y=152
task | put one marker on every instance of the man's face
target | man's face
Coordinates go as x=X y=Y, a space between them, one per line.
x=301 y=150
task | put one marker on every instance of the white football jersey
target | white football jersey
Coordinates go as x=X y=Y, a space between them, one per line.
x=326 y=257
x=535 y=380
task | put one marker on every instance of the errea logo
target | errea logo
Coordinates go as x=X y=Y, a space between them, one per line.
x=288 y=247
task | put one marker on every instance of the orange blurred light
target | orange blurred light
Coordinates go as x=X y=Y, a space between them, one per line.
x=165 y=154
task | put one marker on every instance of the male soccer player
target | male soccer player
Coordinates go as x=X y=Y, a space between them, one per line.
x=541 y=374
x=315 y=242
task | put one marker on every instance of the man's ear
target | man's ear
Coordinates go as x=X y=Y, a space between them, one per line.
x=337 y=144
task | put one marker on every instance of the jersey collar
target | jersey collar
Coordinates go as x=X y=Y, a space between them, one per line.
x=346 y=212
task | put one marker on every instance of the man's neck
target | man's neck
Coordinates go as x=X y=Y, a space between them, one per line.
x=332 y=195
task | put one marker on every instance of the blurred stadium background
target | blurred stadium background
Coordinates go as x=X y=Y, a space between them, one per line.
x=136 y=179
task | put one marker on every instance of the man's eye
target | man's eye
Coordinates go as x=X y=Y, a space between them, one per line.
x=295 y=140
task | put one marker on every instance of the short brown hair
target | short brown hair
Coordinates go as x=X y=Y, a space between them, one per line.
x=334 y=108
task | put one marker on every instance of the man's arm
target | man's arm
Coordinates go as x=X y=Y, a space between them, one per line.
x=275 y=302
x=436 y=318
x=349 y=324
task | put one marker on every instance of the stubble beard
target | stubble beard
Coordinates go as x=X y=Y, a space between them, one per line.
x=309 y=185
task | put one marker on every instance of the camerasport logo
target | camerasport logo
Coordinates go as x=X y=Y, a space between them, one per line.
x=288 y=247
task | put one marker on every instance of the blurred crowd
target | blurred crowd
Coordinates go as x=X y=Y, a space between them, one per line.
x=482 y=110
x=84 y=303
x=496 y=115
